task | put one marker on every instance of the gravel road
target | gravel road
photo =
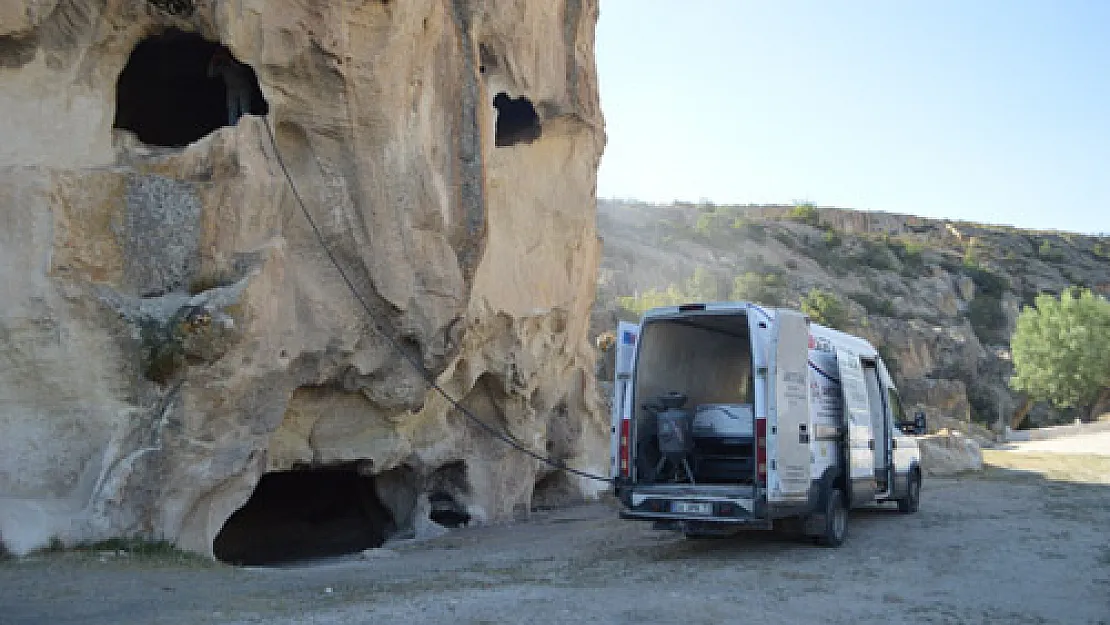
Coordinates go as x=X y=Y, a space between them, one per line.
x=1007 y=546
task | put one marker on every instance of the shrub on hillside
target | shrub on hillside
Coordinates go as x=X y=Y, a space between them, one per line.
x=805 y=213
x=985 y=314
x=878 y=255
x=825 y=308
x=764 y=289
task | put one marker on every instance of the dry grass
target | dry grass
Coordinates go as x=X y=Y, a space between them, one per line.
x=1079 y=468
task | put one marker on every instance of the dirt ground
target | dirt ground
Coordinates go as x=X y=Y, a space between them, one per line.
x=1097 y=443
x=1023 y=544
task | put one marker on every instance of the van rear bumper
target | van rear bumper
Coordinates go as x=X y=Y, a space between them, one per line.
x=734 y=505
x=746 y=521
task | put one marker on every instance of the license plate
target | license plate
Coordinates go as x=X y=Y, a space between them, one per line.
x=690 y=507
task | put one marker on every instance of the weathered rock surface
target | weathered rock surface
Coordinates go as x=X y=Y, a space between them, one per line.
x=171 y=329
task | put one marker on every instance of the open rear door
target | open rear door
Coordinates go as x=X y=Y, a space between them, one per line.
x=857 y=417
x=788 y=443
x=628 y=336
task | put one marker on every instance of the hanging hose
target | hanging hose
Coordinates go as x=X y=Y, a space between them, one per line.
x=429 y=378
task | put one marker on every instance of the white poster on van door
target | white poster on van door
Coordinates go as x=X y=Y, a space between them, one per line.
x=857 y=415
x=627 y=336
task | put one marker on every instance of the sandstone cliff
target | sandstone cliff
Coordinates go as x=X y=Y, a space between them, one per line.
x=940 y=299
x=170 y=328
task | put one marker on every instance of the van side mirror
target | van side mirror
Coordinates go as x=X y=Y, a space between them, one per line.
x=917 y=427
x=919 y=423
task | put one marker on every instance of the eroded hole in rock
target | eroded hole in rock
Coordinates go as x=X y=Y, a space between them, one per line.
x=447 y=486
x=554 y=490
x=178 y=87
x=446 y=510
x=517 y=121
x=306 y=513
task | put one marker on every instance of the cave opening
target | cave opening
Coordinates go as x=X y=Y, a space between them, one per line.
x=306 y=513
x=517 y=121
x=177 y=87
x=554 y=490
x=447 y=489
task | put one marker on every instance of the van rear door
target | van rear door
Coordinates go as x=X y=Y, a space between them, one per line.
x=620 y=445
x=857 y=417
x=788 y=440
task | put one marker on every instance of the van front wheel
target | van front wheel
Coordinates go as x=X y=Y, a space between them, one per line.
x=912 y=501
x=836 y=520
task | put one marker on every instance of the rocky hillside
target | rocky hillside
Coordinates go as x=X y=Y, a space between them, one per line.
x=180 y=360
x=939 y=298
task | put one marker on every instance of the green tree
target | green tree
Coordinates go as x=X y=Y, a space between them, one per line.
x=1061 y=349
x=825 y=308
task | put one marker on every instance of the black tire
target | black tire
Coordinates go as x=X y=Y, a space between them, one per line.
x=912 y=501
x=836 y=520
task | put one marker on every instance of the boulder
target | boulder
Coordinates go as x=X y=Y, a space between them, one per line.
x=949 y=453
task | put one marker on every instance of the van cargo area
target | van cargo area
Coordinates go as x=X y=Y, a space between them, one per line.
x=693 y=398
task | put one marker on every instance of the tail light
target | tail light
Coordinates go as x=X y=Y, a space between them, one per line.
x=761 y=450
x=626 y=432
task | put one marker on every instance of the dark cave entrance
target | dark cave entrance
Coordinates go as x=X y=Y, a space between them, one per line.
x=448 y=485
x=306 y=513
x=517 y=121
x=175 y=86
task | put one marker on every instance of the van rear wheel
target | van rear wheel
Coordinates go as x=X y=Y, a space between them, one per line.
x=836 y=520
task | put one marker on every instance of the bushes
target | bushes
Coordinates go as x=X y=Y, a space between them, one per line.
x=759 y=288
x=825 y=308
x=986 y=281
x=1048 y=252
x=877 y=255
x=985 y=313
x=652 y=298
x=985 y=310
x=700 y=287
x=910 y=253
x=1101 y=250
x=805 y=213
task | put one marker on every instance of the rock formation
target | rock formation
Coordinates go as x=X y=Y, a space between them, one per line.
x=939 y=299
x=171 y=328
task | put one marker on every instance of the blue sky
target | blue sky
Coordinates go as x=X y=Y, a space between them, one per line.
x=995 y=111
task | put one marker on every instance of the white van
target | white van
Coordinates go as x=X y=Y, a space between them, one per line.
x=730 y=415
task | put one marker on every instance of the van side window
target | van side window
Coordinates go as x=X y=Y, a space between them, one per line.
x=895 y=406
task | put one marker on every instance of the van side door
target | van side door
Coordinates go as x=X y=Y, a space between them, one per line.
x=857 y=419
x=904 y=450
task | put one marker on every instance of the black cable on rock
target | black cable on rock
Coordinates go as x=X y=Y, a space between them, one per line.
x=419 y=366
